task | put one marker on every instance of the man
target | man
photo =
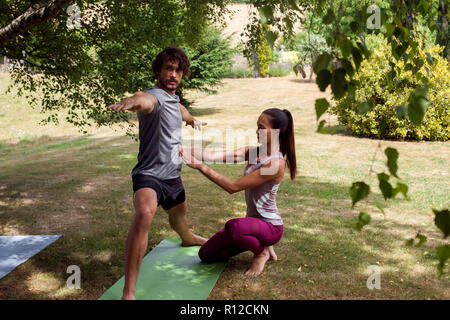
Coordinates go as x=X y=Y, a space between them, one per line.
x=156 y=176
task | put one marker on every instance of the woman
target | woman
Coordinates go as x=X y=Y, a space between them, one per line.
x=262 y=227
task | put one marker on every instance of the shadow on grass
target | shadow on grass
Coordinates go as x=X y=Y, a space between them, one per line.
x=302 y=80
x=197 y=112
x=336 y=130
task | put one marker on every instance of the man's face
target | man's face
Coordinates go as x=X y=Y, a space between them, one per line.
x=170 y=75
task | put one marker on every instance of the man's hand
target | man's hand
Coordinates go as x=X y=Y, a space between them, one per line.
x=196 y=124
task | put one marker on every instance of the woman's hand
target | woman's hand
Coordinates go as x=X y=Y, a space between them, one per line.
x=189 y=158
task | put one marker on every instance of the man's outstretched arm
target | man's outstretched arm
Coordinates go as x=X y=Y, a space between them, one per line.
x=139 y=101
x=190 y=120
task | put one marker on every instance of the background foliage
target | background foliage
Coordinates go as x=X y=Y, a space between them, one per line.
x=385 y=92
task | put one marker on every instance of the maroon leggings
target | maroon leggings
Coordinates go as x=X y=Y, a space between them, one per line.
x=239 y=235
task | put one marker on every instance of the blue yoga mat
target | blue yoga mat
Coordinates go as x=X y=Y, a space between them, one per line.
x=15 y=250
x=171 y=272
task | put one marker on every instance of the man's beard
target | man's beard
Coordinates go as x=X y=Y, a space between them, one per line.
x=168 y=86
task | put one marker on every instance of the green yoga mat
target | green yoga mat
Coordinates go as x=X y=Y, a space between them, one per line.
x=171 y=272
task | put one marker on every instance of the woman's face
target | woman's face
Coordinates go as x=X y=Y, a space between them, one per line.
x=264 y=129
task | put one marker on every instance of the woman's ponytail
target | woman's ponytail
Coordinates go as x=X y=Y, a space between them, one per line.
x=288 y=145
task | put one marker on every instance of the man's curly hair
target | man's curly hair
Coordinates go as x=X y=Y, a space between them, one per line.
x=171 y=53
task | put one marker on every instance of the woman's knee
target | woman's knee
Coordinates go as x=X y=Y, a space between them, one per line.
x=233 y=226
x=205 y=255
x=237 y=228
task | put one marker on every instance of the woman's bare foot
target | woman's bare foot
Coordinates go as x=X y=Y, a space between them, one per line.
x=258 y=263
x=128 y=297
x=272 y=253
x=194 y=240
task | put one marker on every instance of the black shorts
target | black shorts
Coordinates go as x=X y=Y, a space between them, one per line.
x=170 y=192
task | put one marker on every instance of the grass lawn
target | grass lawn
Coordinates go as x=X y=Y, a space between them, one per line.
x=54 y=180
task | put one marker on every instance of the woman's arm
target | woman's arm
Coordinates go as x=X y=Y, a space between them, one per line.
x=225 y=156
x=251 y=180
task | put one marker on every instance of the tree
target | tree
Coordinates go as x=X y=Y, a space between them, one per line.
x=83 y=69
x=35 y=14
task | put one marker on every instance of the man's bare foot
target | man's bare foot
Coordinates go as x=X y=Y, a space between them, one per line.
x=272 y=253
x=128 y=297
x=193 y=241
x=258 y=263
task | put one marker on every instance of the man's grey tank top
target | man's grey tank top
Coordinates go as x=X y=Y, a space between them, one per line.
x=159 y=137
x=261 y=200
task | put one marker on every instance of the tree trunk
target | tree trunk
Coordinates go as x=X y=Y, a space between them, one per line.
x=37 y=13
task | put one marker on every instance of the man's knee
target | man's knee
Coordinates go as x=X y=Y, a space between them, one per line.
x=144 y=215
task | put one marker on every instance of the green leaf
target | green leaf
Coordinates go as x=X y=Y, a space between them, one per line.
x=403 y=188
x=392 y=155
x=338 y=83
x=385 y=186
x=345 y=45
x=430 y=58
x=363 y=107
x=363 y=220
x=320 y=127
x=442 y=221
x=401 y=111
x=321 y=107
x=392 y=74
x=271 y=37
x=418 y=104
x=266 y=12
x=389 y=29
x=405 y=57
x=383 y=176
x=293 y=4
x=323 y=79
x=354 y=26
x=357 y=57
x=329 y=17
x=422 y=239
x=443 y=253
x=358 y=191
x=379 y=206
x=348 y=67
x=321 y=62
x=400 y=50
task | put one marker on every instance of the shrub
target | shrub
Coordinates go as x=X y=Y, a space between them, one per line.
x=280 y=69
x=239 y=72
x=264 y=53
x=210 y=61
x=373 y=85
